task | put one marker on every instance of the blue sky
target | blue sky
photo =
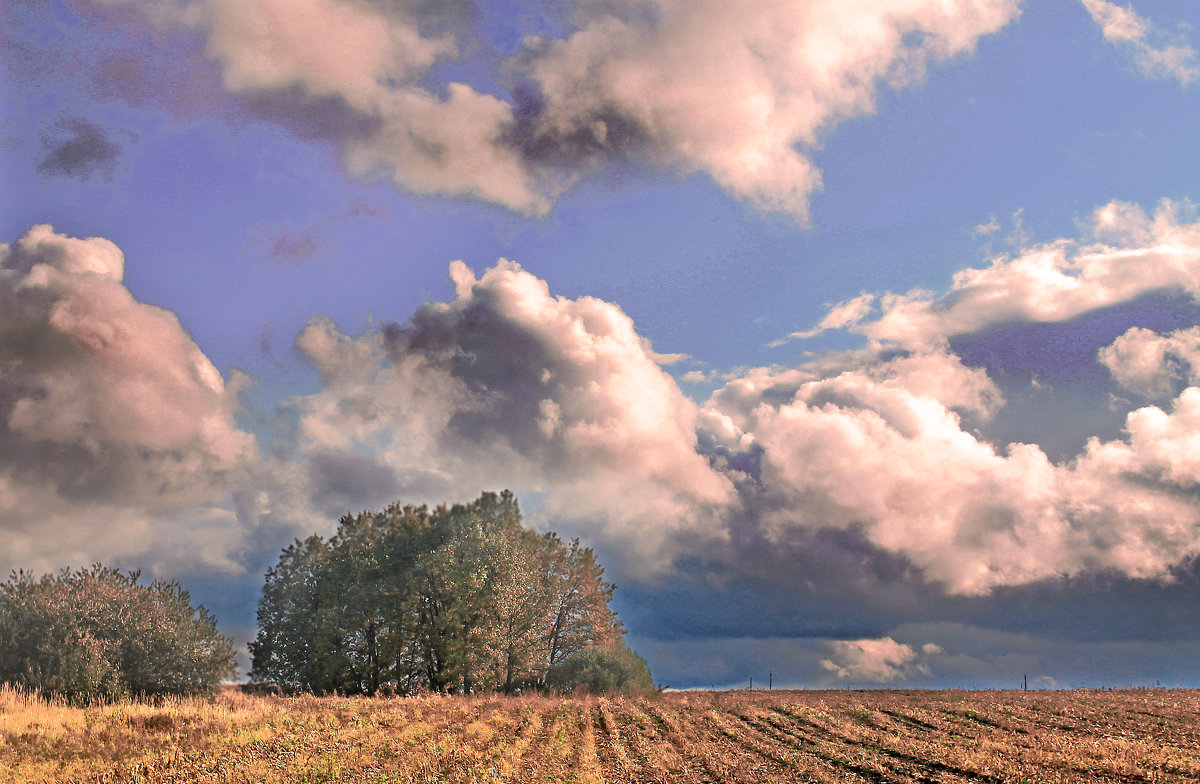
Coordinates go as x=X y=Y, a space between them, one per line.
x=947 y=487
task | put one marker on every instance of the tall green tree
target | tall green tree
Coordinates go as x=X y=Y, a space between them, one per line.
x=460 y=597
x=98 y=634
x=296 y=638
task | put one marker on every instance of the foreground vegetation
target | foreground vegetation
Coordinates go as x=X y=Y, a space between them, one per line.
x=822 y=736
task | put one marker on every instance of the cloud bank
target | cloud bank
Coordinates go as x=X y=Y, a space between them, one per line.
x=739 y=93
x=508 y=384
x=878 y=452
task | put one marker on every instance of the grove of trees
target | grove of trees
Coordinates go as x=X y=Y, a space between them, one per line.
x=460 y=598
x=99 y=635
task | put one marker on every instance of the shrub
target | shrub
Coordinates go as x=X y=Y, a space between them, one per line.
x=98 y=635
x=601 y=670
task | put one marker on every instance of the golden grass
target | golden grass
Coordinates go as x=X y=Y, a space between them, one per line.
x=782 y=736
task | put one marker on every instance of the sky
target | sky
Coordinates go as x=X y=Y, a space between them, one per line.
x=860 y=338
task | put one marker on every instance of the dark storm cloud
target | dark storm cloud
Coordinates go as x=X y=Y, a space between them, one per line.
x=76 y=147
x=826 y=584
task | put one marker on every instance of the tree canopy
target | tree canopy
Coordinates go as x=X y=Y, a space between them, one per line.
x=446 y=599
x=98 y=634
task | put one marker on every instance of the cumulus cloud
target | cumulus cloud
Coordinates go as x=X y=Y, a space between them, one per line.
x=117 y=434
x=76 y=147
x=882 y=451
x=1150 y=363
x=1161 y=445
x=880 y=442
x=877 y=661
x=508 y=384
x=1128 y=254
x=1156 y=53
x=736 y=92
x=109 y=407
x=731 y=90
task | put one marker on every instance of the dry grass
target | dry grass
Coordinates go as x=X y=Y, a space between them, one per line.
x=874 y=736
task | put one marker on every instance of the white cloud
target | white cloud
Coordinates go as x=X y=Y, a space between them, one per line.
x=1149 y=363
x=328 y=47
x=366 y=62
x=733 y=89
x=1162 y=445
x=881 y=450
x=1156 y=53
x=737 y=91
x=984 y=229
x=114 y=426
x=840 y=316
x=1130 y=254
x=876 y=661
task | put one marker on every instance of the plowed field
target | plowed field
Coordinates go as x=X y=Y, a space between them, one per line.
x=780 y=736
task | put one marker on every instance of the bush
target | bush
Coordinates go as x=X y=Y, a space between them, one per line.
x=97 y=635
x=601 y=670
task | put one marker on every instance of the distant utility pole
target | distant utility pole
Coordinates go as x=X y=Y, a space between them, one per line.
x=751 y=683
x=1025 y=685
x=770 y=681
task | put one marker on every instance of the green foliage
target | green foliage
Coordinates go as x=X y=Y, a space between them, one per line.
x=602 y=670
x=96 y=634
x=408 y=598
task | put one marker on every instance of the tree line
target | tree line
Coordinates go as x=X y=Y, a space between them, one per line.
x=455 y=598
x=452 y=599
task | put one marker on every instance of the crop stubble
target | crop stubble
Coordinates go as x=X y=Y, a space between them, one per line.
x=780 y=736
